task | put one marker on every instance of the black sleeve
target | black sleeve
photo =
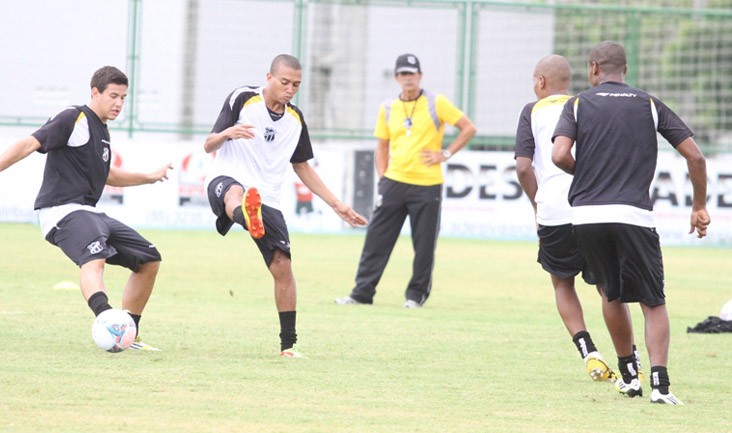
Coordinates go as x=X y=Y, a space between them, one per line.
x=304 y=150
x=56 y=132
x=228 y=116
x=671 y=127
x=566 y=125
x=525 y=144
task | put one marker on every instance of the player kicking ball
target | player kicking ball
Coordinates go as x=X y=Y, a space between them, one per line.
x=78 y=165
x=257 y=135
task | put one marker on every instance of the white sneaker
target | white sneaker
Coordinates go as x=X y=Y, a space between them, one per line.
x=657 y=397
x=347 y=300
x=412 y=304
x=631 y=389
x=292 y=353
x=139 y=345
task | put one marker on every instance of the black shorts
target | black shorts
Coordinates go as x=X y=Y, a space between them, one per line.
x=559 y=253
x=275 y=236
x=85 y=236
x=626 y=260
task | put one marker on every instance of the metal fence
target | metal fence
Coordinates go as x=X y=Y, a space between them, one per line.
x=184 y=57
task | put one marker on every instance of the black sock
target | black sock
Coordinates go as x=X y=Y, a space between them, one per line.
x=659 y=379
x=288 y=336
x=628 y=368
x=98 y=302
x=584 y=343
x=637 y=357
x=239 y=216
x=136 y=318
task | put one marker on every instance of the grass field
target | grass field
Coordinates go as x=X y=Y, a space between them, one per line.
x=487 y=353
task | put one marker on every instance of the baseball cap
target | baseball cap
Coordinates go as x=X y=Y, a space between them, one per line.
x=407 y=63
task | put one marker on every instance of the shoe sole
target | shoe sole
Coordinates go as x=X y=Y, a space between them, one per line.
x=253 y=213
x=601 y=373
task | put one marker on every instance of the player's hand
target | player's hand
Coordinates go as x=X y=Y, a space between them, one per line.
x=430 y=157
x=240 y=131
x=700 y=221
x=349 y=215
x=161 y=174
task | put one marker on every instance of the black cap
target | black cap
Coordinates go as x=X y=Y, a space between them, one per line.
x=407 y=63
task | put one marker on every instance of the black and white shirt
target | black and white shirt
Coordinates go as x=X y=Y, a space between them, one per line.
x=261 y=161
x=614 y=127
x=78 y=158
x=534 y=140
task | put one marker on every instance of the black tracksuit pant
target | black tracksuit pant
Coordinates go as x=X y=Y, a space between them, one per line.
x=397 y=200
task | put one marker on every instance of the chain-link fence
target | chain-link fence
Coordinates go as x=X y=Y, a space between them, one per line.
x=184 y=57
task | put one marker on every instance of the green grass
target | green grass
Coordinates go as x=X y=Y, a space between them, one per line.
x=487 y=353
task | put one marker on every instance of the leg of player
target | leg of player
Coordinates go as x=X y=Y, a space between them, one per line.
x=92 y=286
x=232 y=200
x=570 y=310
x=568 y=304
x=620 y=326
x=136 y=294
x=286 y=302
x=139 y=287
x=657 y=342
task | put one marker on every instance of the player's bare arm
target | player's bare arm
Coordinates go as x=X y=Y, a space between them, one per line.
x=310 y=178
x=467 y=131
x=562 y=153
x=19 y=150
x=697 y=167
x=382 y=157
x=216 y=139
x=527 y=178
x=119 y=177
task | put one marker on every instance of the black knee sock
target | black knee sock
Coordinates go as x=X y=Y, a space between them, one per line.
x=288 y=336
x=628 y=368
x=584 y=343
x=659 y=379
x=98 y=302
x=637 y=357
x=136 y=318
x=239 y=216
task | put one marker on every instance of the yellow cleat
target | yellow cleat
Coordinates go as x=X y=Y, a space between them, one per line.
x=598 y=370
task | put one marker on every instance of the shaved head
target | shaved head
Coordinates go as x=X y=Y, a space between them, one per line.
x=555 y=70
x=609 y=56
x=285 y=60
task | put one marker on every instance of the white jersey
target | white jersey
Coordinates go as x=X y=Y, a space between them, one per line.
x=534 y=140
x=261 y=161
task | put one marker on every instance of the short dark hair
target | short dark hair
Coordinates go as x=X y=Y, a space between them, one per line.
x=609 y=57
x=287 y=60
x=106 y=75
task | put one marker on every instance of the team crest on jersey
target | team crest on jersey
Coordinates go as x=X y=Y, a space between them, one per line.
x=219 y=189
x=269 y=134
x=105 y=155
x=95 y=247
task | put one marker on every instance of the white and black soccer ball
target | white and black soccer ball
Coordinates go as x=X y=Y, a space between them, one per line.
x=726 y=313
x=114 y=330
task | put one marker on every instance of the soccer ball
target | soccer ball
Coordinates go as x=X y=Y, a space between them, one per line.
x=114 y=330
x=726 y=313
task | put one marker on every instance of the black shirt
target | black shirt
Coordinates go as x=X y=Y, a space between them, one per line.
x=78 y=158
x=614 y=126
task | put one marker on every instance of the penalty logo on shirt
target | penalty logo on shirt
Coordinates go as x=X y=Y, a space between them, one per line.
x=269 y=134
